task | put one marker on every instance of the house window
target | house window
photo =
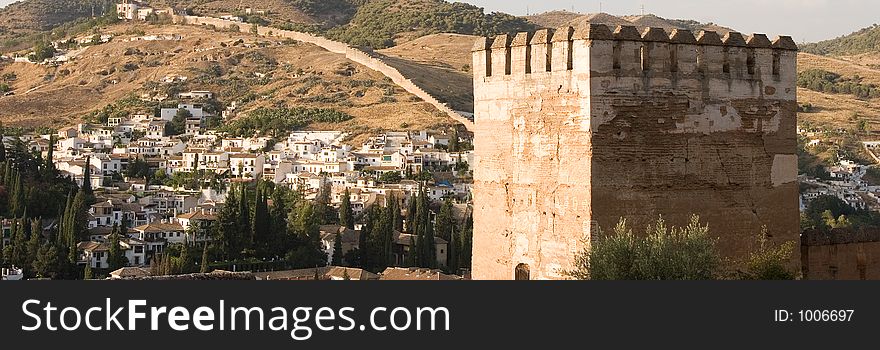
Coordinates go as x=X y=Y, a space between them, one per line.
x=725 y=68
x=750 y=62
x=521 y=273
x=776 y=59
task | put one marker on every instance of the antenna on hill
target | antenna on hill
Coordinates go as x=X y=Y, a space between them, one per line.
x=600 y=7
x=527 y=10
x=643 y=9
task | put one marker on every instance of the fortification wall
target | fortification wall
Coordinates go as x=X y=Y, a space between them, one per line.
x=841 y=255
x=597 y=125
x=350 y=53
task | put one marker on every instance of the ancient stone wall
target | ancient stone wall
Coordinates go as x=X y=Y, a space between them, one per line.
x=351 y=53
x=841 y=255
x=578 y=127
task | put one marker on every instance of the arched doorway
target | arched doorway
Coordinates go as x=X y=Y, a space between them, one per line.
x=521 y=273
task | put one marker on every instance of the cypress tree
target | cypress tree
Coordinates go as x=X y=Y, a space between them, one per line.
x=18 y=205
x=7 y=254
x=87 y=273
x=363 y=241
x=50 y=164
x=445 y=227
x=7 y=173
x=337 y=251
x=20 y=244
x=420 y=231
x=228 y=226
x=380 y=224
x=124 y=225
x=467 y=240
x=278 y=214
x=72 y=252
x=46 y=265
x=261 y=224
x=430 y=247
x=183 y=261
x=453 y=141
x=445 y=221
x=203 y=266
x=454 y=251
x=116 y=256
x=86 y=187
x=2 y=149
x=244 y=220
x=411 y=213
x=78 y=220
x=346 y=214
x=396 y=218
x=322 y=205
x=412 y=260
x=392 y=212
x=61 y=236
x=34 y=242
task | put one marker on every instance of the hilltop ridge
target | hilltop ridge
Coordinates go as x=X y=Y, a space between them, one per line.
x=555 y=19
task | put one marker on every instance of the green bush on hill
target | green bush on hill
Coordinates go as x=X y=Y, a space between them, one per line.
x=833 y=83
x=862 y=41
x=278 y=121
x=377 y=23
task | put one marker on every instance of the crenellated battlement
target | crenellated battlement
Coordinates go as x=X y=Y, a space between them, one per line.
x=576 y=128
x=626 y=51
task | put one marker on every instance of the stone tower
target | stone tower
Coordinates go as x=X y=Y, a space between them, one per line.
x=578 y=127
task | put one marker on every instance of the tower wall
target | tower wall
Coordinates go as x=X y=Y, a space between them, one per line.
x=634 y=125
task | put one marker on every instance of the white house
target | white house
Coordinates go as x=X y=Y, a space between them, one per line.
x=246 y=164
x=96 y=254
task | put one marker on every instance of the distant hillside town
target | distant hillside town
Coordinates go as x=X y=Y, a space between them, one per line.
x=164 y=194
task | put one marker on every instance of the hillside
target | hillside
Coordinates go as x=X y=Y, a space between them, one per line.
x=253 y=72
x=440 y=64
x=371 y=23
x=555 y=19
x=39 y=15
x=321 y=13
x=866 y=40
x=385 y=23
x=552 y=19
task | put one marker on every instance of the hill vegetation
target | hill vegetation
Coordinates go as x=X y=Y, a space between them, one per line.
x=379 y=23
x=555 y=19
x=39 y=15
x=128 y=76
x=866 y=40
x=833 y=83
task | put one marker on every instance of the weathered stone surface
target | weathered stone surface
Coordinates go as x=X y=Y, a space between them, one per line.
x=842 y=254
x=595 y=130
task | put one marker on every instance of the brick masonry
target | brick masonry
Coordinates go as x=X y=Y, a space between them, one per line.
x=578 y=127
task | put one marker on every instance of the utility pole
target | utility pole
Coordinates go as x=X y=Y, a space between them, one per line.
x=643 y=9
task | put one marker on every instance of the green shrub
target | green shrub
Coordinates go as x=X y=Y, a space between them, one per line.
x=833 y=83
x=278 y=121
x=664 y=253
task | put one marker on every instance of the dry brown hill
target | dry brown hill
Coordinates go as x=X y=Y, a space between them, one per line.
x=313 y=12
x=35 y=15
x=835 y=111
x=555 y=19
x=552 y=19
x=256 y=72
x=440 y=64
